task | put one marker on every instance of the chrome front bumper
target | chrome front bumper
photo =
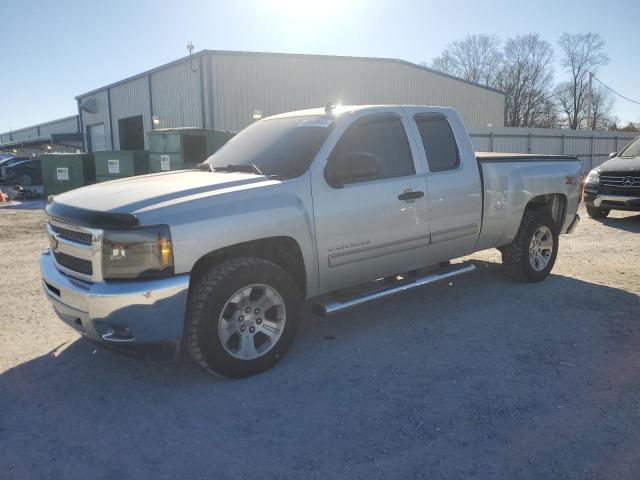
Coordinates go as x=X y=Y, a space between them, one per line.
x=118 y=313
x=614 y=201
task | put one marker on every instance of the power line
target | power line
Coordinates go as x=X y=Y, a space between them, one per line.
x=613 y=91
x=557 y=93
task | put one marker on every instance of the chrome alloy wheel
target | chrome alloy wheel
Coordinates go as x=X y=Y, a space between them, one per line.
x=252 y=322
x=541 y=248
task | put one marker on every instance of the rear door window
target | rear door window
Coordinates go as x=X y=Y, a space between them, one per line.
x=438 y=142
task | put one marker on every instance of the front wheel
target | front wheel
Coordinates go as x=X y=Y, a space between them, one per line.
x=597 y=213
x=532 y=254
x=242 y=317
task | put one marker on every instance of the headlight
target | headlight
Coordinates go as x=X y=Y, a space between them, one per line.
x=144 y=252
x=593 y=177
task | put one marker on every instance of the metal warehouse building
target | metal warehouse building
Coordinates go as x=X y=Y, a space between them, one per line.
x=224 y=90
x=62 y=135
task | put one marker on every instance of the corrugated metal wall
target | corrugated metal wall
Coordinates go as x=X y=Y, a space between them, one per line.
x=63 y=125
x=222 y=90
x=24 y=134
x=176 y=96
x=100 y=116
x=274 y=84
x=593 y=148
x=128 y=100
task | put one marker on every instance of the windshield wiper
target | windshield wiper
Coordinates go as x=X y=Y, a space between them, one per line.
x=249 y=168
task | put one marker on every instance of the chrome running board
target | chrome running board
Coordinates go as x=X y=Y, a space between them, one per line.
x=330 y=306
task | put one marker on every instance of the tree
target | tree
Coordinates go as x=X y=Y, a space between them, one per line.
x=526 y=78
x=549 y=116
x=602 y=104
x=581 y=54
x=476 y=58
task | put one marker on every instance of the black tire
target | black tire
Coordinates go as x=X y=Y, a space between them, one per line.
x=597 y=213
x=209 y=296
x=25 y=180
x=515 y=256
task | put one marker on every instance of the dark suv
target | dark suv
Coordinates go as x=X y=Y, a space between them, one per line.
x=26 y=172
x=615 y=185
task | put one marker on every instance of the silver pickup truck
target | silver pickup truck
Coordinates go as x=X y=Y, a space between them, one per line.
x=337 y=206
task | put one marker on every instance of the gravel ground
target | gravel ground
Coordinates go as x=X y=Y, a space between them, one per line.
x=481 y=378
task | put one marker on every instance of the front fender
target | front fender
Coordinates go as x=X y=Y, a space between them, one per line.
x=211 y=222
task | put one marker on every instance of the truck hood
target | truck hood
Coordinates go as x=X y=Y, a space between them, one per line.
x=618 y=164
x=130 y=195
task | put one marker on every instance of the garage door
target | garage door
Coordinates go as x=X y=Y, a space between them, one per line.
x=96 y=138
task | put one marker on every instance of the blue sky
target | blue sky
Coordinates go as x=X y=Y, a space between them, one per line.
x=52 y=51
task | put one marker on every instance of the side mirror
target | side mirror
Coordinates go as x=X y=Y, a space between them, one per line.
x=357 y=166
x=613 y=154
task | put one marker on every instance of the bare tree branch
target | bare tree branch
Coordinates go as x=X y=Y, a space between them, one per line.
x=581 y=53
x=476 y=58
x=523 y=70
x=526 y=78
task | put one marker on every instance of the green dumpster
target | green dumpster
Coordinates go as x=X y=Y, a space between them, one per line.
x=181 y=148
x=65 y=171
x=121 y=164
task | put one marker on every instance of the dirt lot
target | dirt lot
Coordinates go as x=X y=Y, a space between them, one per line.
x=483 y=378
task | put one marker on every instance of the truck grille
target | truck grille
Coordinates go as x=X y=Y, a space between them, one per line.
x=79 y=265
x=620 y=184
x=80 y=237
x=76 y=249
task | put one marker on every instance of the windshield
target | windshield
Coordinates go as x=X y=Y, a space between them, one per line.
x=6 y=162
x=632 y=150
x=283 y=147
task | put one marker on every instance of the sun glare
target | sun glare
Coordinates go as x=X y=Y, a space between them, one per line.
x=303 y=15
x=308 y=9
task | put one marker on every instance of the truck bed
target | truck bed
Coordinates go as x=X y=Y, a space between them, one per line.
x=510 y=180
x=521 y=157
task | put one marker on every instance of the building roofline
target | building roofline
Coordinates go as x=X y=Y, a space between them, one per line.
x=143 y=74
x=40 y=124
x=276 y=54
x=53 y=138
x=351 y=57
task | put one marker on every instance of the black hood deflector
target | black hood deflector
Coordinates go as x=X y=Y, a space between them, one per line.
x=90 y=218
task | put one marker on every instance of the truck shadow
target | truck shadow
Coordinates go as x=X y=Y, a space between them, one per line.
x=628 y=224
x=483 y=357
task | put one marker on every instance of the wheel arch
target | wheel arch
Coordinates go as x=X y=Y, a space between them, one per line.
x=284 y=251
x=553 y=204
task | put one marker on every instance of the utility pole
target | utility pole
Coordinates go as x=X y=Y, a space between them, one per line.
x=590 y=122
x=190 y=47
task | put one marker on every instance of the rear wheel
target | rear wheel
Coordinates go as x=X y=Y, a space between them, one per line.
x=597 y=213
x=242 y=317
x=532 y=254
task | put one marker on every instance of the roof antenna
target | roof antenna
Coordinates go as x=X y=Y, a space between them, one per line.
x=190 y=47
x=328 y=108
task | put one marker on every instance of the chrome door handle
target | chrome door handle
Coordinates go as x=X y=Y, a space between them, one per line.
x=410 y=195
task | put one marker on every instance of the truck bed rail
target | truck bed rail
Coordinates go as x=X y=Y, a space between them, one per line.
x=522 y=157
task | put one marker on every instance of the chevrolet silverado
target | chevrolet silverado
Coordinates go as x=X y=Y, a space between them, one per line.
x=335 y=206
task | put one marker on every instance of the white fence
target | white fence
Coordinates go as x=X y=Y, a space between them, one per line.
x=592 y=148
